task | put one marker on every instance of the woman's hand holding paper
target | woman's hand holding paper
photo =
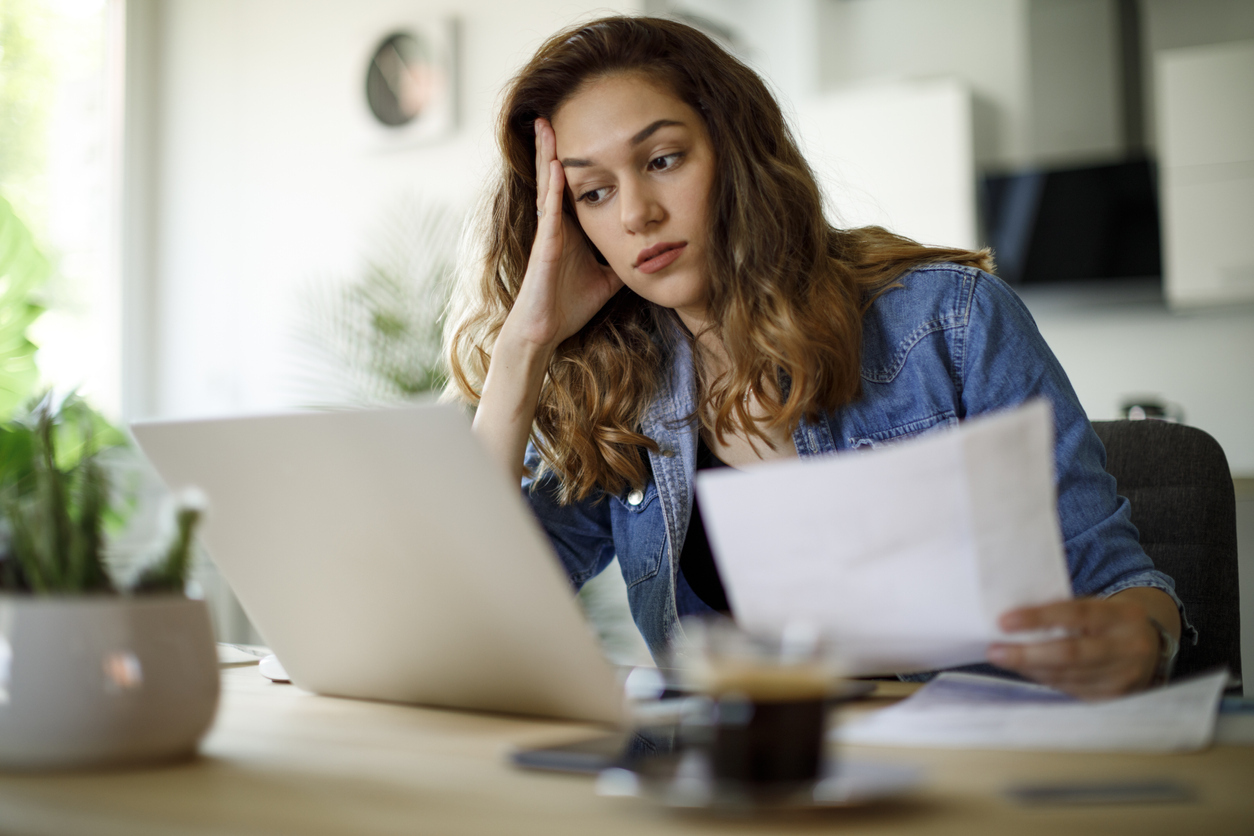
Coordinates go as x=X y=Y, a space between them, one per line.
x=1112 y=647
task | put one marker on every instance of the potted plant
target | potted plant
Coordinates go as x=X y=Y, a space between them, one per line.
x=93 y=672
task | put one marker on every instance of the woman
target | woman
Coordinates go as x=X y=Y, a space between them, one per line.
x=659 y=291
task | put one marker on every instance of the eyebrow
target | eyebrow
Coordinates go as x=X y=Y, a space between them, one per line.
x=576 y=162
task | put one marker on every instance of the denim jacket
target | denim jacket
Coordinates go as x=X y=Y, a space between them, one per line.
x=951 y=342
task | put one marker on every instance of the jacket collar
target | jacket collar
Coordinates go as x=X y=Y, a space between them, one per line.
x=671 y=422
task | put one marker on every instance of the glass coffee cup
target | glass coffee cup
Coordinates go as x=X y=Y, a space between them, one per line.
x=762 y=717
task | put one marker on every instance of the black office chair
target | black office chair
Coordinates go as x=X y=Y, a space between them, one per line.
x=1178 y=482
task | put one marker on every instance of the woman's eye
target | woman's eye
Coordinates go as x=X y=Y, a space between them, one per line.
x=594 y=196
x=665 y=161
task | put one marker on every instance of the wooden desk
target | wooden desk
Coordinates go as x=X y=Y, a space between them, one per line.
x=280 y=761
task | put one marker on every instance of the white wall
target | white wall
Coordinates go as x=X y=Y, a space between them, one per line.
x=876 y=167
x=1075 y=84
x=1115 y=346
x=268 y=176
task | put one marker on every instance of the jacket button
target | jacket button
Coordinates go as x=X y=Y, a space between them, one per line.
x=670 y=454
x=635 y=497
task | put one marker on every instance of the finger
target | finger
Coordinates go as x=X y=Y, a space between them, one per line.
x=1105 y=681
x=551 y=221
x=544 y=153
x=1079 y=616
x=1117 y=673
x=1062 y=654
x=1066 y=614
x=1097 y=688
x=1081 y=682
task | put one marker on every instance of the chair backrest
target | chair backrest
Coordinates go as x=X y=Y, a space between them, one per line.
x=1183 y=503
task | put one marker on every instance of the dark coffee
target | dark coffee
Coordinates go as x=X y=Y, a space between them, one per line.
x=766 y=742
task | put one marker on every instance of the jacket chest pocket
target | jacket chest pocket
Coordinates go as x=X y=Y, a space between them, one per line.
x=639 y=533
x=901 y=432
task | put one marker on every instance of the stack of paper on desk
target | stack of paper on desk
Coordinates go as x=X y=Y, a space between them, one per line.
x=906 y=555
x=958 y=710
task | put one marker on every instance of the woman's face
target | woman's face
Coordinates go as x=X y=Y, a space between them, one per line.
x=639 y=166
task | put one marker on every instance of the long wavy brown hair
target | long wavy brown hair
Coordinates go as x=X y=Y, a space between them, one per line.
x=787 y=290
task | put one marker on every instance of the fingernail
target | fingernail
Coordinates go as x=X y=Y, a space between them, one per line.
x=998 y=654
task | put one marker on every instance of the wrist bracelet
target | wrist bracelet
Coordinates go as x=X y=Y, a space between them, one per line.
x=1168 y=648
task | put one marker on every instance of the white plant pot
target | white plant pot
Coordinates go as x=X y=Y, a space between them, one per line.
x=102 y=680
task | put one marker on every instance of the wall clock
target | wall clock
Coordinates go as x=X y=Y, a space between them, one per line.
x=410 y=82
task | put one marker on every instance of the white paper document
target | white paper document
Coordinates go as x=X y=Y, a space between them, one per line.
x=904 y=555
x=958 y=710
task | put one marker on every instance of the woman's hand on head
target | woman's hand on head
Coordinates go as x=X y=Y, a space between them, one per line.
x=563 y=288
x=564 y=285
x=1111 y=647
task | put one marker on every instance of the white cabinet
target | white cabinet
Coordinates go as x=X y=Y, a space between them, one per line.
x=1206 y=158
x=897 y=154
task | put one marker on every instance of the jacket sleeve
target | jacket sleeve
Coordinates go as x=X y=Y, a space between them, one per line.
x=1004 y=359
x=580 y=532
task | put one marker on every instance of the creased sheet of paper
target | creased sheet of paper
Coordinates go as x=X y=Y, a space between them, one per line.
x=905 y=555
x=958 y=710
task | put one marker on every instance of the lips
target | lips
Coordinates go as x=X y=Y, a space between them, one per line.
x=652 y=259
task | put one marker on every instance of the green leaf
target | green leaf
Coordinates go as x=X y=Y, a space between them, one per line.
x=17 y=453
x=376 y=337
x=55 y=501
x=169 y=574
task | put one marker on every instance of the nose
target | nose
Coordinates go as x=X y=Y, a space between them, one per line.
x=639 y=206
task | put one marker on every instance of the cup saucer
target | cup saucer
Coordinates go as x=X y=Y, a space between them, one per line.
x=685 y=781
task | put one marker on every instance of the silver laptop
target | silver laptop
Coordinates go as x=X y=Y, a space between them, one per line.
x=382 y=555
